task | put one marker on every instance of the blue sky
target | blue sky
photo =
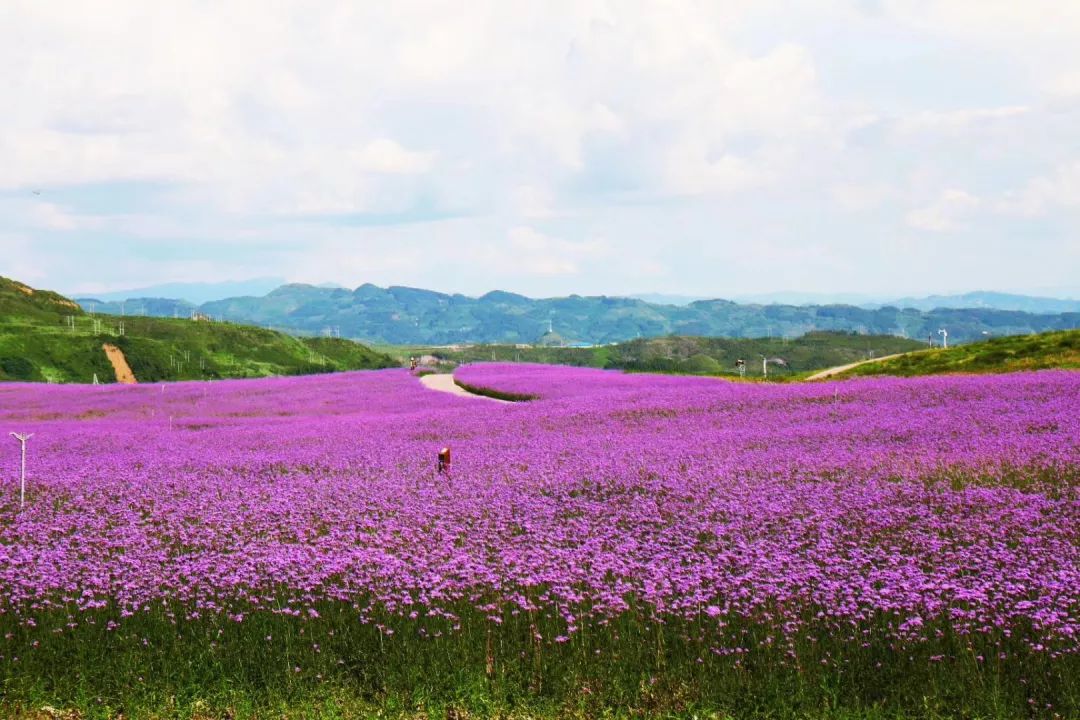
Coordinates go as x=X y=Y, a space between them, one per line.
x=887 y=147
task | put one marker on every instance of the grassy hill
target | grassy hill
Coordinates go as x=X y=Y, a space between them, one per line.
x=22 y=302
x=1003 y=354
x=692 y=355
x=46 y=337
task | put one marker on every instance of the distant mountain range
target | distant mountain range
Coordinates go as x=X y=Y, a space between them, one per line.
x=979 y=299
x=668 y=299
x=193 y=293
x=991 y=300
x=402 y=315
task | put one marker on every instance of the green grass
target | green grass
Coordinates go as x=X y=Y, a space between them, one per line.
x=18 y=300
x=688 y=355
x=161 y=664
x=1003 y=354
x=46 y=338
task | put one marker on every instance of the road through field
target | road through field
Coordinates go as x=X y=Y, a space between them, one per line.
x=843 y=368
x=119 y=363
x=445 y=383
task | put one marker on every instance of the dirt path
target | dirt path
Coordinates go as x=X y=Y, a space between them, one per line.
x=119 y=363
x=842 y=368
x=445 y=383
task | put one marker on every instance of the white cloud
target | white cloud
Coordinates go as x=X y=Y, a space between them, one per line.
x=51 y=217
x=386 y=156
x=540 y=127
x=22 y=260
x=270 y=105
x=991 y=19
x=948 y=213
x=1038 y=35
x=689 y=170
x=527 y=251
x=958 y=121
x=860 y=197
x=1041 y=195
x=530 y=201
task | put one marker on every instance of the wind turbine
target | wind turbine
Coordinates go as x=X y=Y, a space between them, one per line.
x=775 y=361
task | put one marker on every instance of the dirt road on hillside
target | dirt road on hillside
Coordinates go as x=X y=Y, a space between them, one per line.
x=119 y=363
x=843 y=368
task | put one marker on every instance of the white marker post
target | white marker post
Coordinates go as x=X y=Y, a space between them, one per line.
x=944 y=337
x=22 y=438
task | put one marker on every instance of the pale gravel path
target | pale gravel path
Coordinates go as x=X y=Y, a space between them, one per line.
x=445 y=383
x=843 y=368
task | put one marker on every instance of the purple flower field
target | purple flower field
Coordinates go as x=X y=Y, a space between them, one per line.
x=882 y=513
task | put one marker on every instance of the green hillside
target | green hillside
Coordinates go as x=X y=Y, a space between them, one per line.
x=1002 y=354
x=691 y=355
x=22 y=302
x=46 y=337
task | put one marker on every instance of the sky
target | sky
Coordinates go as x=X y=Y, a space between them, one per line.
x=719 y=148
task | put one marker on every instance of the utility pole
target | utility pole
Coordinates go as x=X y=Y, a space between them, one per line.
x=22 y=438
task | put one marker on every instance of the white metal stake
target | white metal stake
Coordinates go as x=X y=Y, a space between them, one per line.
x=22 y=438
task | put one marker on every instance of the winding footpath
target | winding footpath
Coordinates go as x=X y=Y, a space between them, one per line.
x=445 y=383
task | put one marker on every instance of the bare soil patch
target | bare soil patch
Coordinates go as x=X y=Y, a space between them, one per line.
x=119 y=363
